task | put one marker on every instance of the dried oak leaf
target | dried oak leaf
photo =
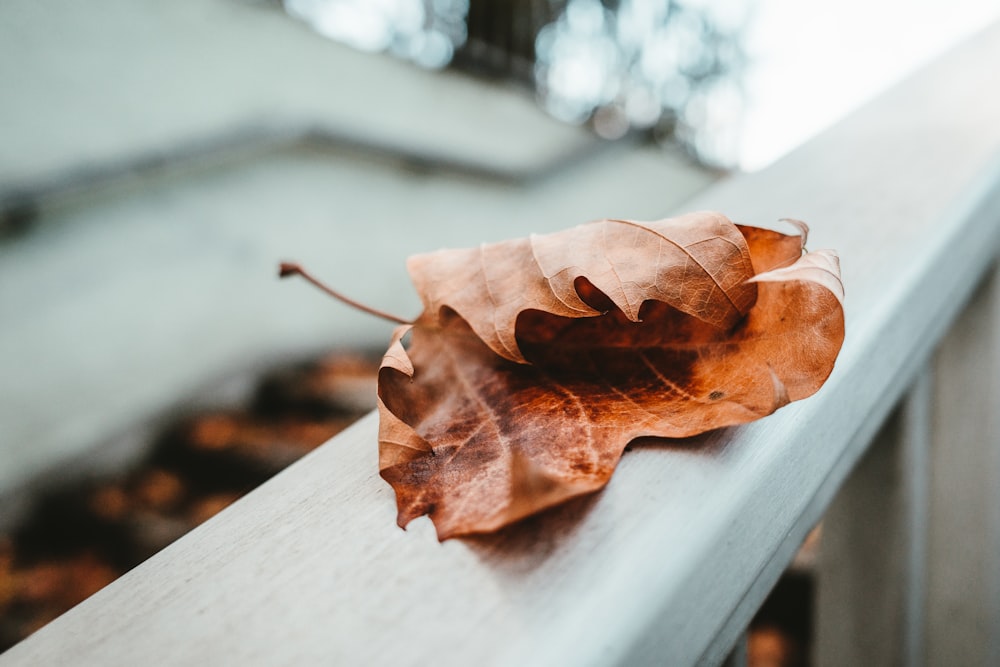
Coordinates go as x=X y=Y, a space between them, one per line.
x=536 y=361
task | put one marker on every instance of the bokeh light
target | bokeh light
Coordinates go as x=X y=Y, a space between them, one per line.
x=426 y=32
x=661 y=67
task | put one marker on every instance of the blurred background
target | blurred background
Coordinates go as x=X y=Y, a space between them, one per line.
x=157 y=161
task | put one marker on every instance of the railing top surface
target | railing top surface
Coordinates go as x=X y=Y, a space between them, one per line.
x=672 y=558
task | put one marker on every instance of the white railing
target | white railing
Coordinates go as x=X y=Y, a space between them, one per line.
x=670 y=562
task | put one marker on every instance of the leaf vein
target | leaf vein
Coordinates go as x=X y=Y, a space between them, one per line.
x=686 y=252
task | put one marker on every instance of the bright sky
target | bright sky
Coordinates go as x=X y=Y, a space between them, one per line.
x=813 y=62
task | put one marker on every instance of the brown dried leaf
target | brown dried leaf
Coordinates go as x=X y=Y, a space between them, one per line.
x=495 y=414
x=698 y=263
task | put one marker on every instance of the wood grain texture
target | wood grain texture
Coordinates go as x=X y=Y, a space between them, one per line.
x=872 y=569
x=667 y=564
x=963 y=586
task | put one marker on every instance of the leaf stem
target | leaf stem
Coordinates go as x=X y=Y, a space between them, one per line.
x=292 y=269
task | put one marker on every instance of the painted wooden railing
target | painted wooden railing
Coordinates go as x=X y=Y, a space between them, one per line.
x=670 y=562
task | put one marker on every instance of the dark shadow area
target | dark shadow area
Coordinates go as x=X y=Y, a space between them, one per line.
x=528 y=543
x=781 y=631
x=711 y=442
x=523 y=546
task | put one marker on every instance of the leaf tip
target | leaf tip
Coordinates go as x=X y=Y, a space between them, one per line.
x=444 y=534
x=396 y=356
x=801 y=226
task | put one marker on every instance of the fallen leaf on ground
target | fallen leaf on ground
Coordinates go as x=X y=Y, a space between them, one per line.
x=536 y=361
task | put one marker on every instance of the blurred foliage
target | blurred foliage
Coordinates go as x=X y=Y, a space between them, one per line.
x=667 y=69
